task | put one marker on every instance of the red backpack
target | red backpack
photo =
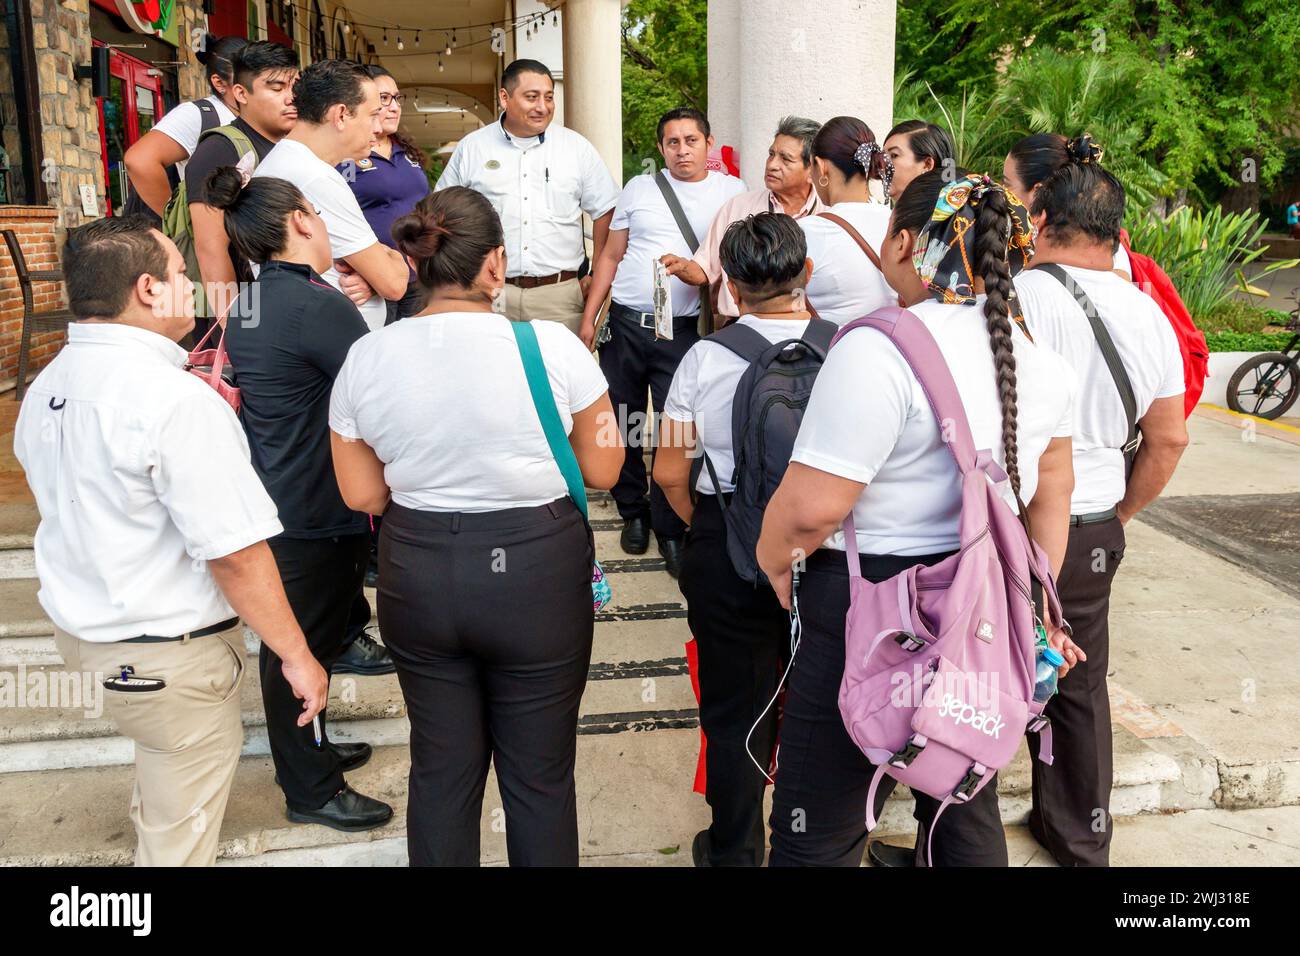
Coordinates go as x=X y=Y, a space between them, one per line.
x=1151 y=279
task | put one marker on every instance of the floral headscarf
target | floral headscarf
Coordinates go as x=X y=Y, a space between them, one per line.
x=944 y=248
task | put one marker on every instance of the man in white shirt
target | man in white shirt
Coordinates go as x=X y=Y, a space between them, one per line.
x=787 y=187
x=540 y=178
x=338 y=118
x=635 y=359
x=1077 y=212
x=152 y=541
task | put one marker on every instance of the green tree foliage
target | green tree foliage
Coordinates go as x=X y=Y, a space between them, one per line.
x=1198 y=96
x=665 y=65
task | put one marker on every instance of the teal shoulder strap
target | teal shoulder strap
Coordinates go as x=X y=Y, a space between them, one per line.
x=544 y=402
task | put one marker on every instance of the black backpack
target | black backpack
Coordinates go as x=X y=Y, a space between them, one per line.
x=765 y=416
x=134 y=205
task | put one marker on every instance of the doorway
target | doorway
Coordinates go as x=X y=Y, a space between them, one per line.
x=133 y=104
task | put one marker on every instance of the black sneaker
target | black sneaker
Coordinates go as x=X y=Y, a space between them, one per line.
x=366 y=657
x=894 y=857
x=671 y=549
x=700 y=849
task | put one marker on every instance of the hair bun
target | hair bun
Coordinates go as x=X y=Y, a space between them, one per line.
x=223 y=187
x=420 y=236
x=1083 y=150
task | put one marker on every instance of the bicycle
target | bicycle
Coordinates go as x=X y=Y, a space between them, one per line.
x=1268 y=384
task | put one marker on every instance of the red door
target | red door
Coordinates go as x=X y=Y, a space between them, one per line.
x=133 y=104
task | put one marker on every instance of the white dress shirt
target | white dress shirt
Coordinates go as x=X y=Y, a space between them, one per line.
x=540 y=186
x=141 y=474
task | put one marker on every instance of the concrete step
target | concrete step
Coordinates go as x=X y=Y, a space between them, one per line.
x=634 y=797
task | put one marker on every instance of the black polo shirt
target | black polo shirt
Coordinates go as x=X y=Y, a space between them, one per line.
x=286 y=359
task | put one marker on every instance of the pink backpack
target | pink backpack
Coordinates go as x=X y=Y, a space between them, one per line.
x=940 y=661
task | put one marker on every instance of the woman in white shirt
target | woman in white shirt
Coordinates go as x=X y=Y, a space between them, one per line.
x=914 y=147
x=741 y=631
x=869 y=442
x=485 y=595
x=1034 y=158
x=174 y=137
x=846 y=281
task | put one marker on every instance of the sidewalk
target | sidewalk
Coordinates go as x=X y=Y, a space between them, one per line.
x=1205 y=690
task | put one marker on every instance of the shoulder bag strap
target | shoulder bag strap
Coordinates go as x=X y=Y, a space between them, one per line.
x=1108 y=352
x=547 y=412
x=853 y=234
x=675 y=207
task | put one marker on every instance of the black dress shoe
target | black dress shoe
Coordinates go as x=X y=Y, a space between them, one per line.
x=347 y=810
x=700 y=849
x=366 y=657
x=636 y=535
x=671 y=549
x=372 y=576
x=352 y=756
x=886 y=854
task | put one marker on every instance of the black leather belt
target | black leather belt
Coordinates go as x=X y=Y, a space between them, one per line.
x=1097 y=517
x=647 y=319
x=532 y=282
x=201 y=632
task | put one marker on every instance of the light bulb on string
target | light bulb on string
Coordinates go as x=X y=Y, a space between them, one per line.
x=347 y=27
x=400 y=44
x=447 y=49
x=439 y=64
x=417 y=37
x=453 y=36
x=385 y=36
x=555 y=19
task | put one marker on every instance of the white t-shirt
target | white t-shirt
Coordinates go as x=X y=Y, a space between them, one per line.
x=443 y=401
x=325 y=187
x=702 y=392
x=652 y=232
x=184 y=124
x=1147 y=346
x=868 y=420
x=1121 y=261
x=844 y=284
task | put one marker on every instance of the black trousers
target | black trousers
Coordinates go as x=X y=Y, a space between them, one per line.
x=1070 y=815
x=409 y=304
x=489 y=620
x=742 y=635
x=322 y=578
x=822 y=778
x=633 y=361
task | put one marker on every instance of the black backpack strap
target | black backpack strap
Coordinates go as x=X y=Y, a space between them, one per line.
x=819 y=334
x=208 y=116
x=749 y=344
x=684 y=224
x=1108 y=352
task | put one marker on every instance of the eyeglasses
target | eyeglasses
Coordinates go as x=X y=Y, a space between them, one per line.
x=389 y=99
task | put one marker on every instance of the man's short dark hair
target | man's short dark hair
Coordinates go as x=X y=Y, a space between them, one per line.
x=683 y=113
x=1081 y=199
x=510 y=75
x=262 y=56
x=102 y=261
x=765 y=254
x=327 y=82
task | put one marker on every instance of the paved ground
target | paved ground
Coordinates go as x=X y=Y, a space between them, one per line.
x=1205 y=690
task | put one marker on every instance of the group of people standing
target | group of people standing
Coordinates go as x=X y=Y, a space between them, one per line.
x=424 y=355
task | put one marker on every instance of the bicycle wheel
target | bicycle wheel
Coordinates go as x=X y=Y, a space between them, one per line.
x=1264 y=385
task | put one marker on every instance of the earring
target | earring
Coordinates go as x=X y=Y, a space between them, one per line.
x=824 y=181
x=306 y=235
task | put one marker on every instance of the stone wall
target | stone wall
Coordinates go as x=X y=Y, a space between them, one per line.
x=69 y=119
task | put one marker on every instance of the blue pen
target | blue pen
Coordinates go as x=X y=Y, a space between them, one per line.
x=315 y=726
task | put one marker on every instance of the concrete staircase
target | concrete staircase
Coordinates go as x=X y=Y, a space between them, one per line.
x=66 y=775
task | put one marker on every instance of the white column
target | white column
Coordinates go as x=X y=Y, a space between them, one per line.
x=593 y=80
x=724 y=71
x=840 y=64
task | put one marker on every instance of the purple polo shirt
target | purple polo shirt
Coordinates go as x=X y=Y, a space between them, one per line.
x=386 y=189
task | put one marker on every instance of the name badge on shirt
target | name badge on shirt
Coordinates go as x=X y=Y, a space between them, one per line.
x=492 y=164
x=365 y=165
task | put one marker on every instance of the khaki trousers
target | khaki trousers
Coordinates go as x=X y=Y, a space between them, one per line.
x=561 y=302
x=187 y=736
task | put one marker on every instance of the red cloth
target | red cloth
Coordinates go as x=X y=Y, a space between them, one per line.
x=1152 y=280
x=701 y=775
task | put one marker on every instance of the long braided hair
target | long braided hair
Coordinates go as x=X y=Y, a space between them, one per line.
x=992 y=226
x=972 y=220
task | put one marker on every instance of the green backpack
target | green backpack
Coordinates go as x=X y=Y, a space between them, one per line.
x=176 y=217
